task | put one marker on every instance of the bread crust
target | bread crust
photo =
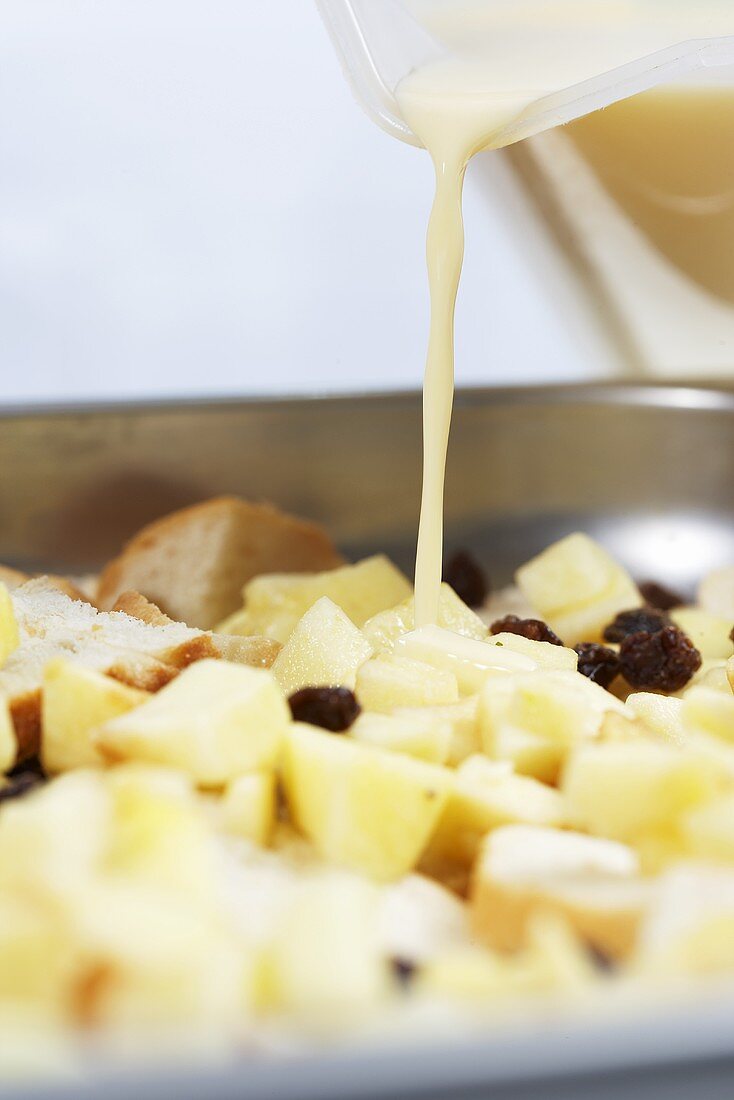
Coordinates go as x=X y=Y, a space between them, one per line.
x=248 y=539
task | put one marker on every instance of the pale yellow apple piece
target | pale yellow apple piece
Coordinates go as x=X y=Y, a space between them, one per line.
x=716 y=593
x=578 y=588
x=364 y=808
x=326 y=952
x=8 y=740
x=9 y=636
x=485 y=795
x=534 y=720
x=275 y=603
x=689 y=927
x=215 y=721
x=420 y=918
x=472 y=662
x=389 y=681
x=708 y=830
x=325 y=649
x=384 y=629
x=421 y=734
x=661 y=714
x=625 y=790
x=594 y=883
x=161 y=961
x=249 y=807
x=159 y=833
x=706 y=710
x=74 y=702
x=53 y=841
x=544 y=654
x=710 y=634
x=38 y=962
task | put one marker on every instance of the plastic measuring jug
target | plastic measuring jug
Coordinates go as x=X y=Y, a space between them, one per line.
x=380 y=41
x=653 y=308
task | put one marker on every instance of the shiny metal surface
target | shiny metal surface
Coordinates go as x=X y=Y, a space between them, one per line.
x=646 y=469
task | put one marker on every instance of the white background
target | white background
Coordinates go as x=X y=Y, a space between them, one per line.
x=191 y=202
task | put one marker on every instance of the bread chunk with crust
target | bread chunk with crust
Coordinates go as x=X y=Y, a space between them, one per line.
x=194 y=563
x=51 y=624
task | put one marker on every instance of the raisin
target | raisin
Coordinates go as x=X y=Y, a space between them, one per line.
x=467 y=578
x=404 y=970
x=22 y=782
x=603 y=962
x=597 y=663
x=331 y=708
x=640 y=620
x=661 y=661
x=658 y=596
x=534 y=629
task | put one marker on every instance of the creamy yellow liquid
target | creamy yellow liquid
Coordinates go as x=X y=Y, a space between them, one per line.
x=503 y=58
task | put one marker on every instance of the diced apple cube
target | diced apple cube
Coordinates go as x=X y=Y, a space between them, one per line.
x=705 y=710
x=593 y=883
x=9 y=636
x=625 y=790
x=53 y=841
x=716 y=593
x=421 y=735
x=161 y=962
x=708 y=830
x=473 y=662
x=485 y=796
x=275 y=603
x=215 y=721
x=249 y=807
x=37 y=963
x=159 y=834
x=74 y=702
x=366 y=809
x=710 y=634
x=544 y=713
x=578 y=588
x=544 y=654
x=460 y=717
x=661 y=714
x=326 y=954
x=384 y=629
x=325 y=649
x=689 y=927
x=387 y=682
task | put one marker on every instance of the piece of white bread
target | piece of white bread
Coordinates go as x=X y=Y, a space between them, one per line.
x=194 y=563
x=137 y=653
x=14 y=578
x=257 y=651
x=594 y=883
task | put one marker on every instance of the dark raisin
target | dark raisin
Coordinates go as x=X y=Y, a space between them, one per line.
x=639 y=620
x=603 y=962
x=597 y=663
x=32 y=764
x=331 y=708
x=467 y=578
x=19 y=784
x=663 y=661
x=534 y=629
x=404 y=970
x=658 y=596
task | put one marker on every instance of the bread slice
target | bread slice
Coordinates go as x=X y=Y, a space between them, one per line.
x=257 y=651
x=594 y=884
x=14 y=578
x=194 y=563
x=51 y=624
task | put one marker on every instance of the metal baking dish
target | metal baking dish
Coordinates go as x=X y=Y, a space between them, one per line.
x=648 y=470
